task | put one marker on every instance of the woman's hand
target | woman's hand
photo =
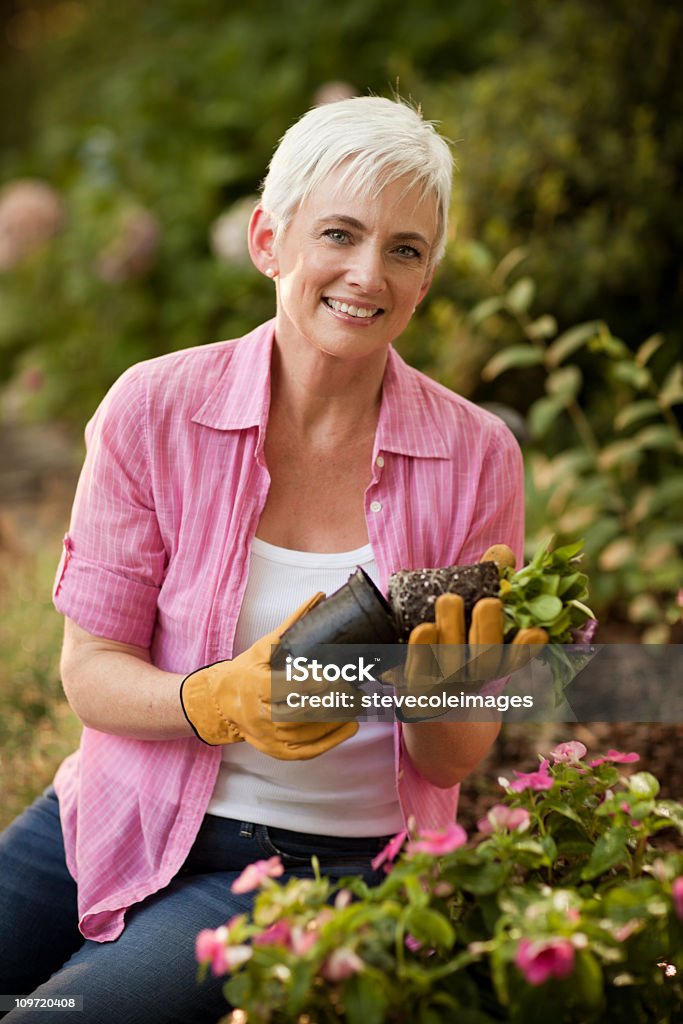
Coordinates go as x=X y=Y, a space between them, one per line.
x=232 y=701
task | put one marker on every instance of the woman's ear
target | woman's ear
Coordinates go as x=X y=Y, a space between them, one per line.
x=261 y=238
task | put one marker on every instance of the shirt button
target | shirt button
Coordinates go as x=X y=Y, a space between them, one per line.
x=379 y=461
x=376 y=506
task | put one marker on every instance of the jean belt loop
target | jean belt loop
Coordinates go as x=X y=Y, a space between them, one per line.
x=246 y=830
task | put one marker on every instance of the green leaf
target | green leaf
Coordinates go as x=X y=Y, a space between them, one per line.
x=619 y=453
x=658 y=437
x=565 y=809
x=545 y=608
x=429 y=927
x=571 y=341
x=641 y=808
x=608 y=851
x=635 y=411
x=672 y=811
x=671 y=392
x=483 y=310
x=511 y=358
x=626 y=371
x=521 y=295
x=643 y=784
x=365 y=999
x=648 y=349
x=564 y=383
x=544 y=327
x=543 y=414
x=588 y=978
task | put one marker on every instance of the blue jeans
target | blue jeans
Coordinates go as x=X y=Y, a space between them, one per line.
x=149 y=974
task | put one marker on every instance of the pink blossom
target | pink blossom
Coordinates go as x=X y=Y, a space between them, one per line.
x=584 y=634
x=439 y=842
x=255 y=874
x=616 y=757
x=677 y=893
x=303 y=940
x=277 y=934
x=501 y=817
x=211 y=945
x=341 y=964
x=572 y=750
x=625 y=931
x=540 y=779
x=547 y=958
x=415 y=946
x=342 y=899
x=390 y=851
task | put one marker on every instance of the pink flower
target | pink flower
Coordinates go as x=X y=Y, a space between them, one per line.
x=255 y=874
x=572 y=750
x=540 y=779
x=549 y=958
x=277 y=934
x=341 y=964
x=439 y=843
x=501 y=817
x=390 y=851
x=677 y=893
x=303 y=940
x=211 y=945
x=616 y=757
x=584 y=634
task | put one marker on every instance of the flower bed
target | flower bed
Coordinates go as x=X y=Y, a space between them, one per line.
x=559 y=909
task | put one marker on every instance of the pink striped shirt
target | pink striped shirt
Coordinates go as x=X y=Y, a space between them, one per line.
x=157 y=555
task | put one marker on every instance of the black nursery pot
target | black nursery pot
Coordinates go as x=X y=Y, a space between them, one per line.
x=357 y=614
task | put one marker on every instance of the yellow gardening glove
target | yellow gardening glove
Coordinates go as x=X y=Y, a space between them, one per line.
x=231 y=701
x=441 y=655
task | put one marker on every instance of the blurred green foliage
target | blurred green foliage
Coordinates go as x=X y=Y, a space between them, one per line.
x=37 y=727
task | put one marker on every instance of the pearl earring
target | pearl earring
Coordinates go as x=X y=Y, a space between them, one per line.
x=270 y=272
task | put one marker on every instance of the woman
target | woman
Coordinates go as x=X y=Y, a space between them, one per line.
x=224 y=486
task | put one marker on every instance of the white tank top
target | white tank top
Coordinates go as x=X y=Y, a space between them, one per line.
x=351 y=789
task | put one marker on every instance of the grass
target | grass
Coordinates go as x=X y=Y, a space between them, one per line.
x=37 y=727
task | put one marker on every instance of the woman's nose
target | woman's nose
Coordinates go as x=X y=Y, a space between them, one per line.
x=366 y=268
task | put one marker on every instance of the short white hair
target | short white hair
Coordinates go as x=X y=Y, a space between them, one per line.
x=378 y=140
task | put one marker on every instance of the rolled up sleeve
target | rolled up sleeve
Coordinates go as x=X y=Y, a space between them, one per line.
x=114 y=559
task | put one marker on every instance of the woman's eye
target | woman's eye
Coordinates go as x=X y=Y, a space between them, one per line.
x=336 y=234
x=409 y=251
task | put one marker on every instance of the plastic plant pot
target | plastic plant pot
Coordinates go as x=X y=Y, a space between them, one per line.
x=356 y=614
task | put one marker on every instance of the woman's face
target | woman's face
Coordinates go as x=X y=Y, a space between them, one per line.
x=351 y=270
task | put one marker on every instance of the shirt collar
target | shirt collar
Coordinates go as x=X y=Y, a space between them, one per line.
x=407 y=423
x=241 y=398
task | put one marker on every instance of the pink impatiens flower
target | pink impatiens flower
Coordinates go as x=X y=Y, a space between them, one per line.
x=501 y=817
x=616 y=757
x=211 y=945
x=677 y=893
x=440 y=842
x=341 y=964
x=277 y=934
x=547 y=958
x=540 y=779
x=255 y=874
x=570 y=751
x=390 y=851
